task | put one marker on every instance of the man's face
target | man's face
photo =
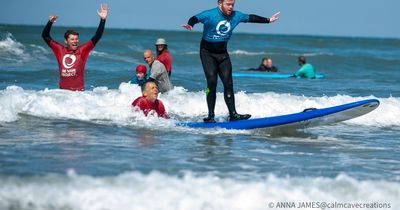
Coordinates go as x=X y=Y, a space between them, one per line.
x=227 y=7
x=269 y=63
x=148 y=57
x=151 y=91
x=72 y=41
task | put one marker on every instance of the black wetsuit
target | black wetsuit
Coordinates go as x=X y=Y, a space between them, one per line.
x=215 y=58
x=266 y=68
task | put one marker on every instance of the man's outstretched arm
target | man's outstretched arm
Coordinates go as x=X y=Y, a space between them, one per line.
x=259 y=19
x=103 y=12
x=46 y=31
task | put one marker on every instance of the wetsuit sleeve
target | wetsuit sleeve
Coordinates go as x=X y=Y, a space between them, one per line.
x=193 y=21
x=261 y=68
x=99 y=32
x=138 y=102
x=300 y=72
x=46 y=33
x=257 y=19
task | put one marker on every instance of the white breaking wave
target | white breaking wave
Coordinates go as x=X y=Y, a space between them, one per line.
x=9 y=45
x=114 y=106
x=244 y=52
x=133 y=191
x=16 y=52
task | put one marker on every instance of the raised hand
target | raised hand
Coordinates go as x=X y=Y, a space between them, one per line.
x=53 y=18
x=187 y=27
x=274 y=17
x=103 y=11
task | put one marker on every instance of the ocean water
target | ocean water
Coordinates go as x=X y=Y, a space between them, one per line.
x=89 y=150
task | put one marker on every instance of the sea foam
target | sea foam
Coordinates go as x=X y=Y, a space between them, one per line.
x=156 y=190
x=114 y=105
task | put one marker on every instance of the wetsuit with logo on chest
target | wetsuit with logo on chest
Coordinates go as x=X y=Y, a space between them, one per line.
x=71 y=63
x=214 y=55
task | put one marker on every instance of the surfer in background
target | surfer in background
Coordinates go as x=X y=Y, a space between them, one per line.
x=148 y=102
x=72 y=58
x=158 y=72
x=218 y=26
x=306 y=70
x=266 y=66
x=140 y=76
x=163 y=54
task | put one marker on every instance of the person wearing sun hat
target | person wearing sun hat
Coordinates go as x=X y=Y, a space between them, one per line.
x=163 y=54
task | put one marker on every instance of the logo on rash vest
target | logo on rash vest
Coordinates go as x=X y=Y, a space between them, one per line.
x=68 y=61
x=223 y=28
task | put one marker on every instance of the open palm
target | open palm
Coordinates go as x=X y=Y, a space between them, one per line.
x=103 y=12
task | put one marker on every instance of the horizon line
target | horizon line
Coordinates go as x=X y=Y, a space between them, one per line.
x=199 y=31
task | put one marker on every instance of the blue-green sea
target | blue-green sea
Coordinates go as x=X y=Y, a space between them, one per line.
x=90 y=151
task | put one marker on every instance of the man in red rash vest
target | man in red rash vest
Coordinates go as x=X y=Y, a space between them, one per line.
x=148 y=102
x=72 y=58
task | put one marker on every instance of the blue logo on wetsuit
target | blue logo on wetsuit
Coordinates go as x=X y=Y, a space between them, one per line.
x=218 y=27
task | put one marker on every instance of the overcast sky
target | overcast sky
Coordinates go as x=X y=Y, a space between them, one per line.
x=354 y=18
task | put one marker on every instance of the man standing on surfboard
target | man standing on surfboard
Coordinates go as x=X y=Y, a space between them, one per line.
x=72 y=58
x=218 y=26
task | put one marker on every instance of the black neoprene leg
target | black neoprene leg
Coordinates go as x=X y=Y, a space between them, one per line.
x=210 y=70
x=225 y=73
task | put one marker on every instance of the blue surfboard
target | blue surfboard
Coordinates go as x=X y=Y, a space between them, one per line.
x=271 y=75
x=307 y=118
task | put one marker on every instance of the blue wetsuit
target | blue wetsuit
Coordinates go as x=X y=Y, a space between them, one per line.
x=217 y=27
x=135 y=80
x=306 y=71
x=214 y=56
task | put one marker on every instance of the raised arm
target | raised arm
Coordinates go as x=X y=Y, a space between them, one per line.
x=103 y=12
x=46 y=31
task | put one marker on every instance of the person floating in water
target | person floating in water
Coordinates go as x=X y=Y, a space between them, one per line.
x=140 y=76
x=306 y=70
x=72 y=58
x=148 y=102
x=266 y=66
x=218 y=25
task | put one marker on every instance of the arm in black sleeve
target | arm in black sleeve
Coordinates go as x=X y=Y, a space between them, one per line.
x=193 y=21
x=99 y=32
x=46 y=32
x=258 y=19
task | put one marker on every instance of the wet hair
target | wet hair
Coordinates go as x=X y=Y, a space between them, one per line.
x=265 y=58
x=69 y=32
x=143 y=86
x=302 y=59
x=164 y=50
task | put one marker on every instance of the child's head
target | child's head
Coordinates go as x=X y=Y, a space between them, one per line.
x=141 y=72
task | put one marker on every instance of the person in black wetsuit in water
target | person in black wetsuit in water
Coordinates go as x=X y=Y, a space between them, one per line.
x=218 y=26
